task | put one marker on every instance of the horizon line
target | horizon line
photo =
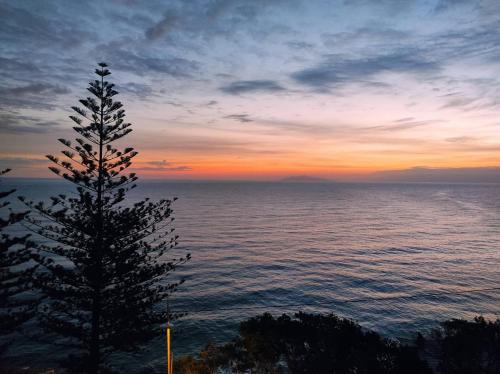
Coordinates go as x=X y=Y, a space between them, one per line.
x=282 y=180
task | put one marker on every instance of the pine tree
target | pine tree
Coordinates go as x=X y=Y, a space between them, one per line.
x=15 y=272
x=106 y=267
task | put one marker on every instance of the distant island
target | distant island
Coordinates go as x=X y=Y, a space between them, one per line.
x=304 y=179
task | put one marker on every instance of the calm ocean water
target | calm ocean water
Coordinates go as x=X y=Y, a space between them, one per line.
x=262 y=245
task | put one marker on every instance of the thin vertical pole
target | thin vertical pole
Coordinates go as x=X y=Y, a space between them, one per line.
x=169 y=362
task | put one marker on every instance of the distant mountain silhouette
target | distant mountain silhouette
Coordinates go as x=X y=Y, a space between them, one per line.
x=304 y=179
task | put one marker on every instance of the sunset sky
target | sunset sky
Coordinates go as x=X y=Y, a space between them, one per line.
x=260 y=89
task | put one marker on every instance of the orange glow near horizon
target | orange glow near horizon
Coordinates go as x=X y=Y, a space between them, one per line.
x=285 y=92
x=344 y=158
x=352 y=137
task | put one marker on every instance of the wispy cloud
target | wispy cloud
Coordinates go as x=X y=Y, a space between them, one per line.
x=22 y=162
x=208 y=19
x=160 y=165
x=15 y=123
x=41 y=28
x=13 y=66
x=139 y=90
x=404 y=124
x=240 y=117
x=240 y=87
x=163 y=26
x=34 y=96
x=142 y=63
x=338 y=70
x=300 y=45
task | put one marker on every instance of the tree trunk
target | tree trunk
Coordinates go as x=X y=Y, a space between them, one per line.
x=95 y=353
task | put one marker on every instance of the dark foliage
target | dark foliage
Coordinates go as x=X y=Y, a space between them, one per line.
x=467 y=347
x=104 y=264
x=307 y=343
x=15 y=273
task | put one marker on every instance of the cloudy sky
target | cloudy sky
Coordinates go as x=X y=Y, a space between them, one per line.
x=260 y=89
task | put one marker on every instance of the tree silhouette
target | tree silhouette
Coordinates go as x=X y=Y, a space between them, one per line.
x=105 y=265
x=15 y=273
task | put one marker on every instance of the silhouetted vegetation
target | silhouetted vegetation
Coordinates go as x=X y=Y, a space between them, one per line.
x=104 y=263
x=466 y=347
x=15 y=273
x=307 y=343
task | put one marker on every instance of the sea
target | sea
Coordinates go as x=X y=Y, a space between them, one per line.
x=395 y=257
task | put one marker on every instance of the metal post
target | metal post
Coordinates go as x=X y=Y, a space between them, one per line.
x=169 y=361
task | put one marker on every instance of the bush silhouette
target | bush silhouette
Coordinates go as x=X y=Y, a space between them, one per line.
x=467 y=347
x=306 y=343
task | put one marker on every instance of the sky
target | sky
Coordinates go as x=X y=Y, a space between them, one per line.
x=259 y=89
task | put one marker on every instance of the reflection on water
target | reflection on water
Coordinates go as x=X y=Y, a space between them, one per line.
x=264 y=244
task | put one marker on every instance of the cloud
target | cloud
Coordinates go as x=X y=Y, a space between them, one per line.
x=473 y=95
x=33 y=96
x=15 y=123
x=34 y=89
x=365 y=35
x=174 y=103
x=163 y=26
x=282 y=124
x=207 y=145
x=335 y=130
x=240 y=117
x=162 y=165
x=139 y=90
x=299 y=45
x=225 y=76
x=14 y=66
x=208 y=19
x=239 y=87
x=305 y=128
x=404 y=124
x=478 y=40
x=45 y=27
x=21 y=162
x=277 y=126
x=337 y=70
x=142 y=63
x=443 y=5
x=460 y=139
